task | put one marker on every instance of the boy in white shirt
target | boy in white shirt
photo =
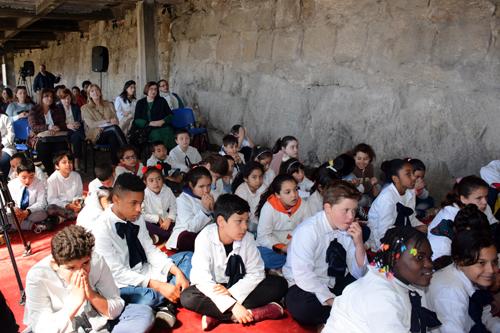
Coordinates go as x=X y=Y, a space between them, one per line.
x=219 y=167
x=183 y=156
x=140 y=270
x=72 y=290
x=104 y=176
x=64 y=188
x=228 y=279
x=129 y=163
x=159 y=157
x=230 y=147
x=28 y=193
x=16 y=159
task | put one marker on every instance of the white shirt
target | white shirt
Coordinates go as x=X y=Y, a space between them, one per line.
x=441 y=245
x=7 y=134
x=315 y=202
x=305 y=187
x=373 y=304
x=62 y=191
x=48 y=120
x=46 y=294
x=114 y=249
x=217 y=188
x=124 y=109
x=153 y=161
x=36 y=191
x=209 y=266
x=120 y=169
x=449 y=294
x=383 y=213
x=191 y=216
x=156 y=205
x=90 y=213
x=306 y=264
x=276 y=227
x=93 y=186
x=491 y=172
x=269 y=176
x=39 y=173
x=178 y=157
x=243 y=191
x=69 y=114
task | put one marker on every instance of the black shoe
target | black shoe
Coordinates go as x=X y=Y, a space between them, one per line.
x=166 y=315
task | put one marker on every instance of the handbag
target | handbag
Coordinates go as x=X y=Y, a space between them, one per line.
x=139 y=136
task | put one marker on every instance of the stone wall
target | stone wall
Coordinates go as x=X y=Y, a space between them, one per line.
x=71 y=55
x=410 y=77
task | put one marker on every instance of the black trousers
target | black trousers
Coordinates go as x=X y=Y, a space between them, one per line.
x=112 y=136
x=47 y=150
x=76 y=138
x=305 y=307
x=271 y=289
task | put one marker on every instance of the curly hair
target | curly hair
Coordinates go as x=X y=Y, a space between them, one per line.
x=72 y=242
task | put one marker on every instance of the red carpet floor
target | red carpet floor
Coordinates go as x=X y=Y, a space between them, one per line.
x=188 y=322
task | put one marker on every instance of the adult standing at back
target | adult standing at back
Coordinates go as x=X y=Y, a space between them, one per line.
x=153 y=111
x=45 y=79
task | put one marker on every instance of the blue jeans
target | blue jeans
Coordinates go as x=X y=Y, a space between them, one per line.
x=148 y=296
x=272 y=259
x=134 y=318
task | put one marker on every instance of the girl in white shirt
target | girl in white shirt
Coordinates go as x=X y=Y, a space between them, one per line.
x=389 y=298
x=296 y=169
x=469 y=190
x=248 y=186
x=280 y=210
x=459 y=293
x=395 y=205
x=159 y=207
x=194 y=210
x=125 y=106
x=264 y=156
x=325 y=255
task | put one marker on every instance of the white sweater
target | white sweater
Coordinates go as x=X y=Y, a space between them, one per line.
x=156 y=205
x=62 y=191
x=243 y=191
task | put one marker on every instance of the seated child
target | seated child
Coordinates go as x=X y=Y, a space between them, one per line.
x=285 y=148
x=17 y=159
x=183 y=156
x=469 y=190
x=459 y=293
x=424 y=201
x=172 y=177
x=128 y=162
x=280 y=210
x=395 y=205
x=64 y=188
x=159 y=207
x=389 y=298
x=248 y=186
x=194 y=210
x=218 y=166
x=226 y=182
x=365 y=179
x=296 y=169
x=139 y=269
x=230 y=147
x=491 y=175
x=326 y=254
x=264 y=156
x=95 y=205
x=72 y=290
x=245 y=144
x=28 y=193
x=228 y=279
x=105 y=176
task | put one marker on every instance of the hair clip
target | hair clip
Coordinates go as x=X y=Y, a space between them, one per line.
x=144 y=169
x=291 y=164
x=331 y=167
x=403 y=248
x=158 y=166
x=413 y=251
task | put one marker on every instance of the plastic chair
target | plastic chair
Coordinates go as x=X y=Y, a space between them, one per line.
x=184 y=119
x=21 y=134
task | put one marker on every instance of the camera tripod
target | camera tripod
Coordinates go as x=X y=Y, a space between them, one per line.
x=6 y=202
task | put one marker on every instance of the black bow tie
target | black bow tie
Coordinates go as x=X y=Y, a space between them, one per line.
x=129 y=231
x=336 y=259
x=404 y=213
x=235 y=269
x=477 y=302
x=421 y=318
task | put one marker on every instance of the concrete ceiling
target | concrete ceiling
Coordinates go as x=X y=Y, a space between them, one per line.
x=30 y=24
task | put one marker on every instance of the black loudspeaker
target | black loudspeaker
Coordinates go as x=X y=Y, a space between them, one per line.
x=29 y=68
x=100 y=59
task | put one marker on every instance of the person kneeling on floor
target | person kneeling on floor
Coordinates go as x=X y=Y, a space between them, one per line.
x=73 y=290
x=229 y=283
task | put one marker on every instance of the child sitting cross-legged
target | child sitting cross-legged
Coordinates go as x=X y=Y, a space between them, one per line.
x=95 y=204
x=227 y=275
x=64 y=188
x=28 y=193
x=128 y=161
x=183 y=156
x=159 y=207
x=159 y=157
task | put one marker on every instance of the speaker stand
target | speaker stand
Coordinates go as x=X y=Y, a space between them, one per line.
x=100 y=79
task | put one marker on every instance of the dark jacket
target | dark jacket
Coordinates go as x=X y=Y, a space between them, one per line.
x=159 y=111
x=45 y=81
x=36 y=120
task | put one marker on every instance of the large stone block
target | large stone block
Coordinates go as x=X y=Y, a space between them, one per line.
x=351 y=39
x=287 y=13
x=286 y=45
x=229 y=48
x=265 y=45
x=319 y=44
